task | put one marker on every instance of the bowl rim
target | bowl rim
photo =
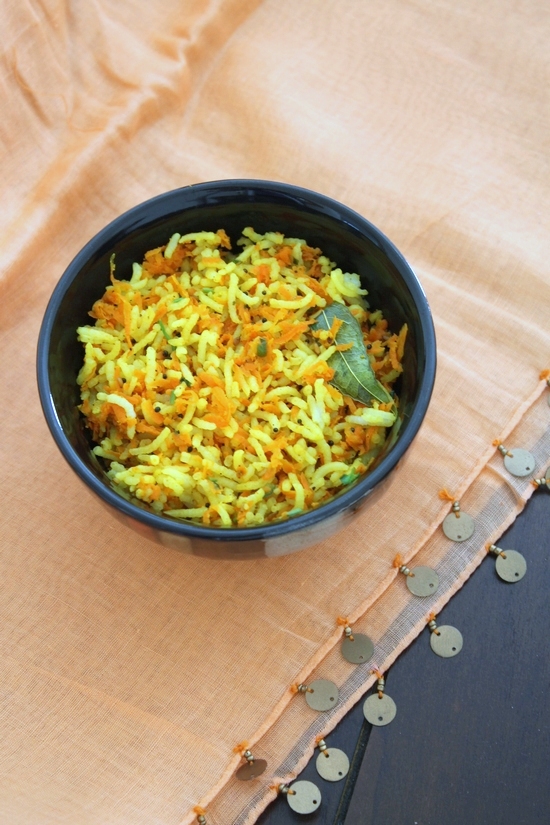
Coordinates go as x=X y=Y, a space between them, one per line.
x=126 y=222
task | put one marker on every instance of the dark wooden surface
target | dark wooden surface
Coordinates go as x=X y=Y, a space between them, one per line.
x=471 y=740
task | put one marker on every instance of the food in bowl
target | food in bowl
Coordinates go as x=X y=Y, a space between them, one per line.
x=237 y=387
x=344 y=236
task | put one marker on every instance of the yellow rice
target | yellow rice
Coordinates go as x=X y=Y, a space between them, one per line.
x=207 y=393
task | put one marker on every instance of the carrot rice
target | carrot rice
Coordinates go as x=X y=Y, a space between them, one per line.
x=207 y=392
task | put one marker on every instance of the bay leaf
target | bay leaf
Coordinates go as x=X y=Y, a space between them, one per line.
x=353 y=373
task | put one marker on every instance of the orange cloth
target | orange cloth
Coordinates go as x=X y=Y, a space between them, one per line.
x=131 y=671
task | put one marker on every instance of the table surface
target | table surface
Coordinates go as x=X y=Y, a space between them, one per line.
x=470 y=742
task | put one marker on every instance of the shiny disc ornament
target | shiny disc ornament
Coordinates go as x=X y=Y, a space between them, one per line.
x=322 y=695
x=446 y=641
x=423 y=582
x=251 y=770
x=458 y=526
x=379 y=710
x=358 y=649
x=511 y=566
x=332 y=764
x=519 y=462
x=304 y=797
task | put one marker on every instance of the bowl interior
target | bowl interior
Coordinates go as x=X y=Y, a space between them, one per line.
x=345 y=237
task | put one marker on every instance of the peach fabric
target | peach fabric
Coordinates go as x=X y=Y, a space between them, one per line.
x=130 y=671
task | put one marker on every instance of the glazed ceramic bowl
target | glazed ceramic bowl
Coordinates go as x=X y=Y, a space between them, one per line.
x=344 y=236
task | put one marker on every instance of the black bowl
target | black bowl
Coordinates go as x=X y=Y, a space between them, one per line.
x=343 y=235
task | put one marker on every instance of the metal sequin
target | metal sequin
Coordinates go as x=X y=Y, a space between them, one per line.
x=359 y=650
x=446 y=641
x=511 y=566
x=306 y=797
x=323 y=695
x=458 y=526
x=251 y=770
x=332 y=764
x=519 y=463
x=379 y=710
x=424 y=582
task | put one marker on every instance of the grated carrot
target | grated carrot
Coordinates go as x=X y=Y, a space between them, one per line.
x=284 y=256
